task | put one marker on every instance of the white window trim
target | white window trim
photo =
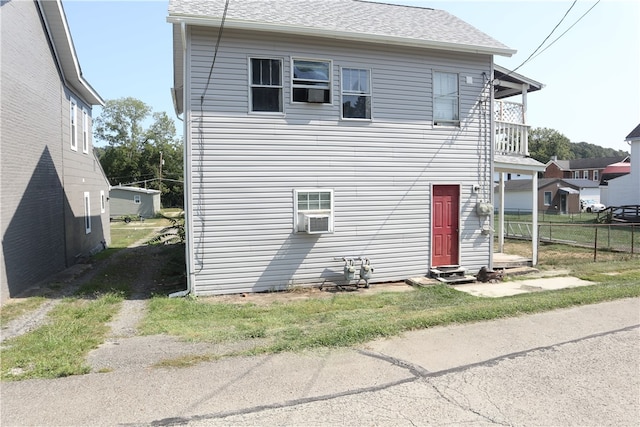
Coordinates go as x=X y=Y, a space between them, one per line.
x=298 y=216
x=544 y=199
x=87 y=212
x=585 y=174
x=343 y=92
x=444 y=123
x=596 y=175
x=103 y=203
x=85 y=131
x=251 y=86
x=330 y=84
x=576 y=174
x=137 y=199
x=73 y=124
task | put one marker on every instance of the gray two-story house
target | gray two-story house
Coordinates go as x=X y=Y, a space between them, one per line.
x=54 y=208
x=322 y=131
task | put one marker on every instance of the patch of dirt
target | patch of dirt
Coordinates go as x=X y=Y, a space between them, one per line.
x=305 y=293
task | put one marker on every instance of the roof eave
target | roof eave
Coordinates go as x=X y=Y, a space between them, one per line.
x=65 y=51
x=342 y=35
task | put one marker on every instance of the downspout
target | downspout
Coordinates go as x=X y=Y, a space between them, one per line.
x=492 y=133
x=188 y=191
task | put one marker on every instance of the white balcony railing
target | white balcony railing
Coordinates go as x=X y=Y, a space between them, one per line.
x=512 y=134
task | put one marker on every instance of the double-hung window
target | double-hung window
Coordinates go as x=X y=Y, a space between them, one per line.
x=85 y=131
x=73 y=128
x=547 y=198
x=356 y=93
x=311 y=81
x=313 y=211
x=446 y=105
x=266 y=85
x=595 y=175
x=87 y=213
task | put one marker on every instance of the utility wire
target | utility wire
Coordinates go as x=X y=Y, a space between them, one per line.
x=546 y=38
x=560 y=36
x=215 y=52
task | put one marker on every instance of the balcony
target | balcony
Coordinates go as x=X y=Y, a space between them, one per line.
x=512 y=134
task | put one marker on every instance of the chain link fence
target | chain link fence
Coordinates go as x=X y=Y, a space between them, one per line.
x=599 y=237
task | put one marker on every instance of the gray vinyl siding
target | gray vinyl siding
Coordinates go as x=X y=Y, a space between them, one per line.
x=38 y=177
x=122 y=203
x=381 y=171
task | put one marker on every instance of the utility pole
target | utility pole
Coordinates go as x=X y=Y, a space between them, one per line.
x=160 y=183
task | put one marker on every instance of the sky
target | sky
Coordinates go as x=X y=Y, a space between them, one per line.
x=591 y=73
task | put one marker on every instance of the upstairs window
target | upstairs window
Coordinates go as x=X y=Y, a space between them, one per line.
x=446 y=110
x=266 y=85
x=85 y=131
x=73 y=128
x=356 y=93
x=311 y=81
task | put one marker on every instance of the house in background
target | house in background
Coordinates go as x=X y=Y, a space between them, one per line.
x=330 y=130
x=591 y=169
x=554 y=196
x=625 y=189
x=54 y=194
x=134 y=201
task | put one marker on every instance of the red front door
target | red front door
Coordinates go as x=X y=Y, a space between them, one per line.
x=444 y=228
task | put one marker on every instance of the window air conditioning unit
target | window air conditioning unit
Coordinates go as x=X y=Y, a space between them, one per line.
x=316 y=224
x=316 y=95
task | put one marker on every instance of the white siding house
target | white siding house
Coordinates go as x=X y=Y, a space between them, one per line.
x=321 y=130
x=625 y=190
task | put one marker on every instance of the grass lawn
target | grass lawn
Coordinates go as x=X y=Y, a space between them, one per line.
x=76 y=326
x=59 y=348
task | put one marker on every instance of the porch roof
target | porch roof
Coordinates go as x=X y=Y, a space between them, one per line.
x=517 y=164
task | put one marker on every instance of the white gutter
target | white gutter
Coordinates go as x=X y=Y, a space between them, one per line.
x=342 y=35
x=188 y=190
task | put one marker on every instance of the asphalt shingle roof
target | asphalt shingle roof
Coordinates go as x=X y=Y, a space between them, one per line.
x=635 y=134
x=361 y=18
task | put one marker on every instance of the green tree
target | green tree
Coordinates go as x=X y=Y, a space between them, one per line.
x=149 y=156
x=544 y=143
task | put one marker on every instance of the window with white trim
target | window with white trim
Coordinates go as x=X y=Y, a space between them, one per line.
x=311 y=81
x=576 y=174
x=85 y=131
x=87 y=213
x=73 y=126
x=356 y=93
x=596 y=175
x=585 y=174
x=266 y=85
x=103 y=204
x=547 y=198
x=136 y=199
x=446 y=110
x=313 y=210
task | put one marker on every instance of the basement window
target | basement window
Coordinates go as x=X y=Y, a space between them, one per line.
x=311 y=81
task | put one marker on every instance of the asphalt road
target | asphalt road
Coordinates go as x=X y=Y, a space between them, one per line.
x=579 y=366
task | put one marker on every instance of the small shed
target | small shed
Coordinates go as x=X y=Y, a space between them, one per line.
x=125 y=201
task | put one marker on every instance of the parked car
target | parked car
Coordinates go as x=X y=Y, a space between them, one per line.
x=591 y=206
